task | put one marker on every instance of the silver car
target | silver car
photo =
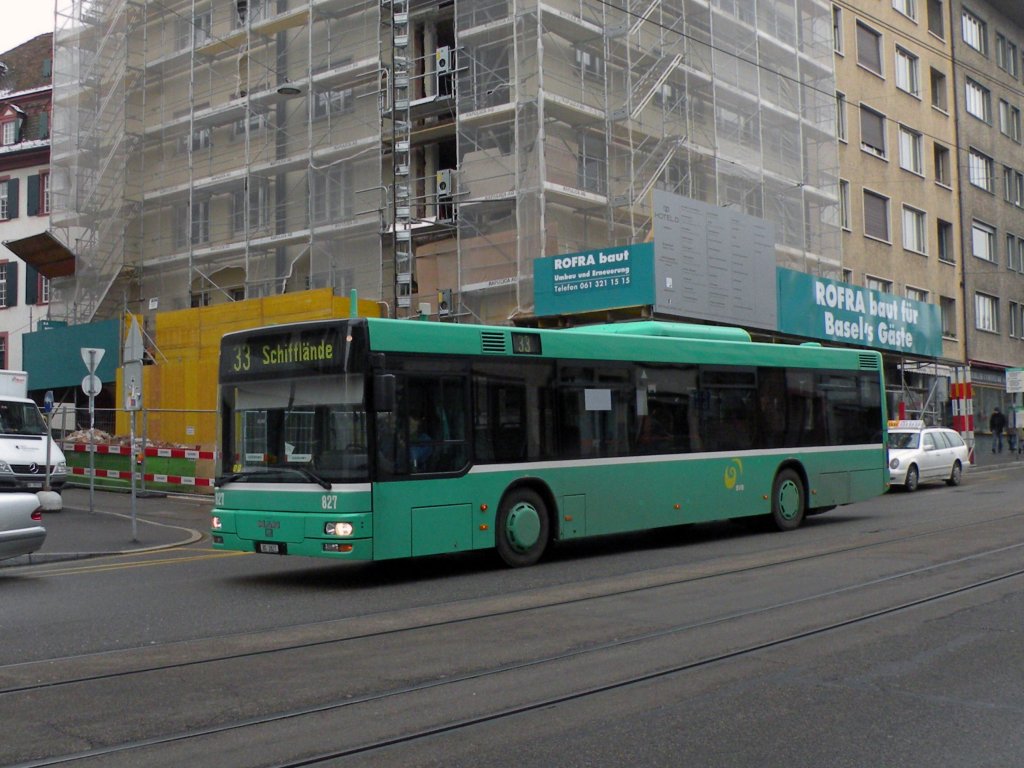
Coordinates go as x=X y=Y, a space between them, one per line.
x=21 y=526
x=919 y=454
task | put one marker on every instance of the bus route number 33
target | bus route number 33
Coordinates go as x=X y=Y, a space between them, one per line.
x=242 y=360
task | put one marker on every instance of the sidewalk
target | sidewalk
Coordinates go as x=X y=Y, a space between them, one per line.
x=76 y=532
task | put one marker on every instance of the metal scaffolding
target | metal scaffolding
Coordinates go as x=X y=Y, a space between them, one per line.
x=211 y=150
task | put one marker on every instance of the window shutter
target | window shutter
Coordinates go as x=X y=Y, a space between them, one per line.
x=32 y=204
x=31 y=285
x=872 y=129
x=875 y=220
x=12 y=199
x=868 y=49
x=12 y=284
x=44 y=125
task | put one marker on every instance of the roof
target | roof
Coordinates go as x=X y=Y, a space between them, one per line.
x=29 y=65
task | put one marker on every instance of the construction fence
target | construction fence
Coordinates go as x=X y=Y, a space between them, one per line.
x=111 y=458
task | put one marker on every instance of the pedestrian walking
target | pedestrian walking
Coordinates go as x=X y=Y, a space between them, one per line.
x=996 y=425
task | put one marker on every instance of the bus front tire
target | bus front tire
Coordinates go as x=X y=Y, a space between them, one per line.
x=522 y=528
x=789 y=500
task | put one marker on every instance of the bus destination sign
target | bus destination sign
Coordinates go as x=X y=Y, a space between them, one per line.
x=282 y=353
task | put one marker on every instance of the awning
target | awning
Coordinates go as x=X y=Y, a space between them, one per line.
x=45 y=253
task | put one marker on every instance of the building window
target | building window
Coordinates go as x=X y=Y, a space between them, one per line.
x=200 y=139
x=43 y=290
x=1011 y=185
x=841 y=116
x=936 y=19
x=3 y=350
x=589 y=63
x=591 y=163
x=1006 y=56
x=942 y=170
x=328 y=103
x=869 y=48
x=907 y=7
x=1013 y=253
x=333 y=197
x=981 y=170
x=878 y=284
x=844 y=204
x=44 y=193
x=914 y=234
x=6 y=291
x=947 y=311
x=910 y=151
x=978 y=100
x=917 y=294
x=1009 y=120
x=986 y=312
x=872 y=132
x=975 y=32
x=944 y=235
x=907 y=69
x=938 y=83
x=876 y=216
x=6 y=209
x=9 y=132
x=195 y=31
x=257 y=121
x=983 y=241
x=1014 y=319
x=837 y=29
x=259 y=207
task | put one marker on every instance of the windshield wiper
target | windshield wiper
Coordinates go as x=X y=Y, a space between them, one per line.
x=311 y=475
x=267 y=475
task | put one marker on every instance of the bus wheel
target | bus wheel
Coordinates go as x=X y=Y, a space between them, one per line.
x=789 y=504
x=522 y=528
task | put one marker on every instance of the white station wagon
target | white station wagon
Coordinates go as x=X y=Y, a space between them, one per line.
x=919 y=454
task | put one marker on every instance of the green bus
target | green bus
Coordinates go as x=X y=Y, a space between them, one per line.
x=369 y=439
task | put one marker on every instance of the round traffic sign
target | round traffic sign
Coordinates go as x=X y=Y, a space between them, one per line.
x=91 y=385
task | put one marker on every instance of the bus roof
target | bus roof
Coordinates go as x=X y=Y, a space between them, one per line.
x=650 y=341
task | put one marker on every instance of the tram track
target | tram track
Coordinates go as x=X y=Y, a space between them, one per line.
x=941 y=568
x=459 y=612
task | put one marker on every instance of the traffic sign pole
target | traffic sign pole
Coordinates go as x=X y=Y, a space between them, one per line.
x=91 y=356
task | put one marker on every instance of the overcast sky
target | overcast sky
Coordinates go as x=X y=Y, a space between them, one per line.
x=21 y=20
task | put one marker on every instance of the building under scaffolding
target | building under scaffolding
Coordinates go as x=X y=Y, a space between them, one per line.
x=211 y=150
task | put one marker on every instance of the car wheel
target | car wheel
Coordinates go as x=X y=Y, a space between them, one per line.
x=956 y=475
x=522 y=529
x=912 y=479
x=789 y=501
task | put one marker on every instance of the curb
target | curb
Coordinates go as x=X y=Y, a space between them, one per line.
x=38 y=558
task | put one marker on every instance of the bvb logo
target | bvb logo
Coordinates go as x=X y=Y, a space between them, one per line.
x=733 y=473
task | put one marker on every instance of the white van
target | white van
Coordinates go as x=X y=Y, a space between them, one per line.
x=24 y=440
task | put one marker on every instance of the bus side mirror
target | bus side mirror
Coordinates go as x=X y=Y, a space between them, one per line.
x=384 y=392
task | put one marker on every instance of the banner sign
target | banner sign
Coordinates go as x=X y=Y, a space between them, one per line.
x=594 y=280
x=819 y=308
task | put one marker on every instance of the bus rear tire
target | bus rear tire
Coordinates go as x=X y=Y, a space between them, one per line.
x=789 y=500
x=522 y=528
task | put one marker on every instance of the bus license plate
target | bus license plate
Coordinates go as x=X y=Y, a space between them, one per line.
x=271 y=548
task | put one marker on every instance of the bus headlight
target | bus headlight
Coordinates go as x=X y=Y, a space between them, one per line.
x=894 y=463
x=215 y=523
x=338 y=529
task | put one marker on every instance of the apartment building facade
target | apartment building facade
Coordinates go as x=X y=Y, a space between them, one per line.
x=900 y=182
x=25 y=92
x=988 y=42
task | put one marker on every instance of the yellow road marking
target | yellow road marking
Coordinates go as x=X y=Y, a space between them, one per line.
x=114 y=566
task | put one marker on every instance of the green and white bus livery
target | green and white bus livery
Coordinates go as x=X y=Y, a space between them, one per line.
x=370 y=439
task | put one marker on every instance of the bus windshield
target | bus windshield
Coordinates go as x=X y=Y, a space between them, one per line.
x=297 y=429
